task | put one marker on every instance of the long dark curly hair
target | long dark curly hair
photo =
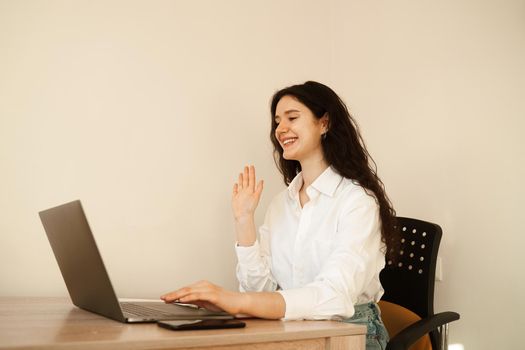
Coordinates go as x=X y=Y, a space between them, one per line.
x=343 y=149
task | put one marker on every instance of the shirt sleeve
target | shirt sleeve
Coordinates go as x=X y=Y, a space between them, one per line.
x=254 y=265
x=352 y=269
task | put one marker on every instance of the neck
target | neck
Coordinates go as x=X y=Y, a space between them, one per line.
x=311 y=169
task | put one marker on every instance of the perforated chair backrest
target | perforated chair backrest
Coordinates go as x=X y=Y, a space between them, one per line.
x=409 y=280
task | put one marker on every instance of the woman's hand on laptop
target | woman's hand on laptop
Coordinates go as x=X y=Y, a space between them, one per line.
x=270 y=305
x=209 y=296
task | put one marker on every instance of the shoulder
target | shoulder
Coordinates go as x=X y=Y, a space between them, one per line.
x=351 y=196
x=358 y=210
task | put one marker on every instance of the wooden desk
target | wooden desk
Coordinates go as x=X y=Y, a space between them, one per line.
x=55 y=323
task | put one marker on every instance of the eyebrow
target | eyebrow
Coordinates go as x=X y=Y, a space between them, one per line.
x=288 y=112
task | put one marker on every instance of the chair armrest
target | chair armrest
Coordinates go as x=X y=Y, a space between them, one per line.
x=408 y=336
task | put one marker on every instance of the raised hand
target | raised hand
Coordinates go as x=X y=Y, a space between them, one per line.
x=246 y=194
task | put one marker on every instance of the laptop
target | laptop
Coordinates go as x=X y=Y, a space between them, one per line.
x=86 y=277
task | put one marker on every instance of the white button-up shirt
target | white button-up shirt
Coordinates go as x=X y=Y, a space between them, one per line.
x=323 y=258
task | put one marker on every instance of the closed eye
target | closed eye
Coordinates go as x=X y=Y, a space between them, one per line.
x=277 y=121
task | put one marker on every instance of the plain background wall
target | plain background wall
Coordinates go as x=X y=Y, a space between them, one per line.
x=146 y=111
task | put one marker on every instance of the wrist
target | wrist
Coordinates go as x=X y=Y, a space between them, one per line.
x=245 y=231
x=244 y=219
x=246 y=300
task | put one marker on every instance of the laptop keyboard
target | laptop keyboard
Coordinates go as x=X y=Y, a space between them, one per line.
x=144 y=311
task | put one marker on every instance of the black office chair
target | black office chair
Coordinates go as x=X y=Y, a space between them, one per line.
x=407 y=307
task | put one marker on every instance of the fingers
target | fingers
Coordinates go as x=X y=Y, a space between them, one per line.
x=239 y=181
x=259 y=188
x=176 y=295
x=251 y=178
x=172 y=296
x=208 y=295
x=202 y=290
x=245 y=178
x=196 y=294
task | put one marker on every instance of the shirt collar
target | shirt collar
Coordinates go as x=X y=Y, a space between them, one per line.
x=325 y=183
x=295 y=186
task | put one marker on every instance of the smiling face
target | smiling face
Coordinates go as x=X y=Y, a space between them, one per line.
x=298 y=130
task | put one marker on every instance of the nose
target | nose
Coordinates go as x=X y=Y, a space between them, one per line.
x=281 y=128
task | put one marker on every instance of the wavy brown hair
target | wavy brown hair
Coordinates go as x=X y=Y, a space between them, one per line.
x=343 y=149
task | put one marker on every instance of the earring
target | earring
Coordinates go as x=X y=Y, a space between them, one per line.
x=323 y=136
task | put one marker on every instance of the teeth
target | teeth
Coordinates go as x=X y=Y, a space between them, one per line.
x=285 y=142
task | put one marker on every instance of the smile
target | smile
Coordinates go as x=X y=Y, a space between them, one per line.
x=289 y=141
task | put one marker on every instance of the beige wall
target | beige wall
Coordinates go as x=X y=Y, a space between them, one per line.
x=147 y=110
x=439 y=90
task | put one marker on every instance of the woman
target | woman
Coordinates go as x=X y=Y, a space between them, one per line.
x=324 y=238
